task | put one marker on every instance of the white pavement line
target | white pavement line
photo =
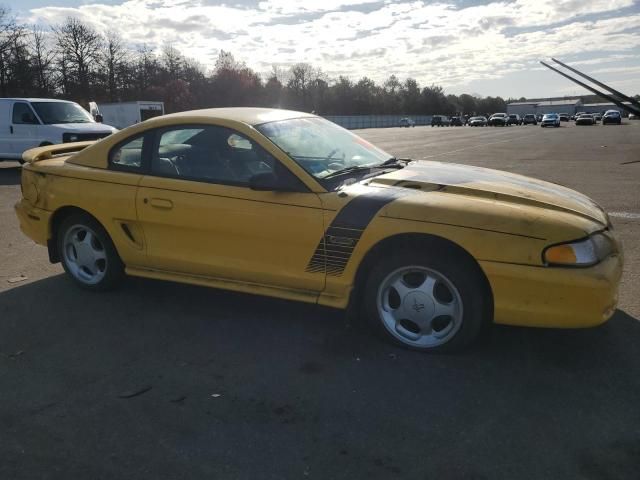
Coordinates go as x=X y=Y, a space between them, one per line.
x=474 y=146
x=635 y=216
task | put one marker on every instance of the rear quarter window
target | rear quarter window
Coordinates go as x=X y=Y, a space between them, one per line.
x=127 y=154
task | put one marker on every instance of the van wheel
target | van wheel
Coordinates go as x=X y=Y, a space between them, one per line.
x=426 y=302
x=88 y=254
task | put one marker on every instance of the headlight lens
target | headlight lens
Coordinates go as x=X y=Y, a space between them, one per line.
x=582 y=253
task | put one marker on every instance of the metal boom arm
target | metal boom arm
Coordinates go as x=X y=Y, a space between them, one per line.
x=629 y=108
x=600 y=84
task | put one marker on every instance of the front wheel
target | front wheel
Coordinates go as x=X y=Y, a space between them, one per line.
x=88 y=254
x=426 y=302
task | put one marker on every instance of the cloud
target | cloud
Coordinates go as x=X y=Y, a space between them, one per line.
x=446 y=43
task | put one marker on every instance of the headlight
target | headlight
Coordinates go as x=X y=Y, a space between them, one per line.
x=582 y=253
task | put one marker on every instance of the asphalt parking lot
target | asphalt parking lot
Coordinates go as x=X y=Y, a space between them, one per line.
x=159 y=380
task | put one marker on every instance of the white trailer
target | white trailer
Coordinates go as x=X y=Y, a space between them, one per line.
x=124 y=114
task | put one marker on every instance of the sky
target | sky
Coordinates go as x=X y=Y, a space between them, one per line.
x=466 y=46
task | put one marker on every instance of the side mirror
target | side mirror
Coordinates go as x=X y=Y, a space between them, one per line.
x=264 y=182
x=98 y=118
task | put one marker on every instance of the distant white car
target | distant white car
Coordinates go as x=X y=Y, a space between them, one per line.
x=478 y=121
x=585 y=119
x=550 y=120
x=32 y=122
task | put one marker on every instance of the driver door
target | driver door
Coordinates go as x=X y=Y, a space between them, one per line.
x=23 y=129
x=200 y=217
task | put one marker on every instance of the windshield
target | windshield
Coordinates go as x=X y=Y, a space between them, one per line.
x=61 y=112
x=320 y=146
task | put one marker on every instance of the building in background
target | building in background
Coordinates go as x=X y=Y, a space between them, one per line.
x=603 y=107
x=521 y=108
x=568 y=106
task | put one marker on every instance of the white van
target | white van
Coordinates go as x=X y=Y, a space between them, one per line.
x=32 y=122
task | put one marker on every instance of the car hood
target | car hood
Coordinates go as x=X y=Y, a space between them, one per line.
x=496 y=185
x=85 y=127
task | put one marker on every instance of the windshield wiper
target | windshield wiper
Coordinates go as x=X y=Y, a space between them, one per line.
x=355 y=168
x=392 y=162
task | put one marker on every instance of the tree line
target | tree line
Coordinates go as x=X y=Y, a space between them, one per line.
x=72 y=60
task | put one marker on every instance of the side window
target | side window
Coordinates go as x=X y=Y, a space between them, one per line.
x=209 y=154
x=22 y=114
x=127 y=154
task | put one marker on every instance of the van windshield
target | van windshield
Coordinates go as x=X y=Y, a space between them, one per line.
x=61 y=112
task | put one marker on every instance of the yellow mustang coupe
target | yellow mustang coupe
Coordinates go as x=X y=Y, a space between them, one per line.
x=290 y=205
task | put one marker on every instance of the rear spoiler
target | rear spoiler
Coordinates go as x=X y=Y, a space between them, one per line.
x=50 y=151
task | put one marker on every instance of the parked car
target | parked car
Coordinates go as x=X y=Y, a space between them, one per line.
x=514 y=119
x=612 y=116
x=564 y=117
x=550 y=120
x=30 y=122
x=498 y=119
x=585 y=119
x=233 y=198
x=478 y=121
x=407 y=122
x=597 y=117
x=529 y=119
x=633 y=116
x=456 y=122
x=440 y=121
x=578 y=114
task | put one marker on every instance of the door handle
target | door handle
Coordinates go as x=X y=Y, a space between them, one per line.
x=161 y=203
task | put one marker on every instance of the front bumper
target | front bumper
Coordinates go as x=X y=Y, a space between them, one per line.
x=34 y=222
x=554 y=297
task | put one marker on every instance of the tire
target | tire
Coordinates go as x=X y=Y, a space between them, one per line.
x=407 y=316
x=87 y=253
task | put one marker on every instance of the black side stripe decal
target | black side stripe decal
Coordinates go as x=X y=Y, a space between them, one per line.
x=341 y=237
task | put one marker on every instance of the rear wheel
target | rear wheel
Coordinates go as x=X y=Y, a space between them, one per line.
x=426 y=302
x=88 y=254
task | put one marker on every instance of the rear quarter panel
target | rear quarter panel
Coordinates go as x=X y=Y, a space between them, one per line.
x=107 y=195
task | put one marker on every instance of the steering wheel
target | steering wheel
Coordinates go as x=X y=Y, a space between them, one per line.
x=175 y=161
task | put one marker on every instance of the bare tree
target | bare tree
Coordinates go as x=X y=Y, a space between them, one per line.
x=9 y=33
x=146 y=69
x=301 y=79
x=172 y=60
x=113 y=56
x=42 y=57
x=79 y=46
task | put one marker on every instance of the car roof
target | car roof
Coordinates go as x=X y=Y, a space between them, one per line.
x=248 y=115
x=14 y=99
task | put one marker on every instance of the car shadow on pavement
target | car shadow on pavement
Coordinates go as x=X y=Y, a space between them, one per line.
x=10 y=175
x=193 y=379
